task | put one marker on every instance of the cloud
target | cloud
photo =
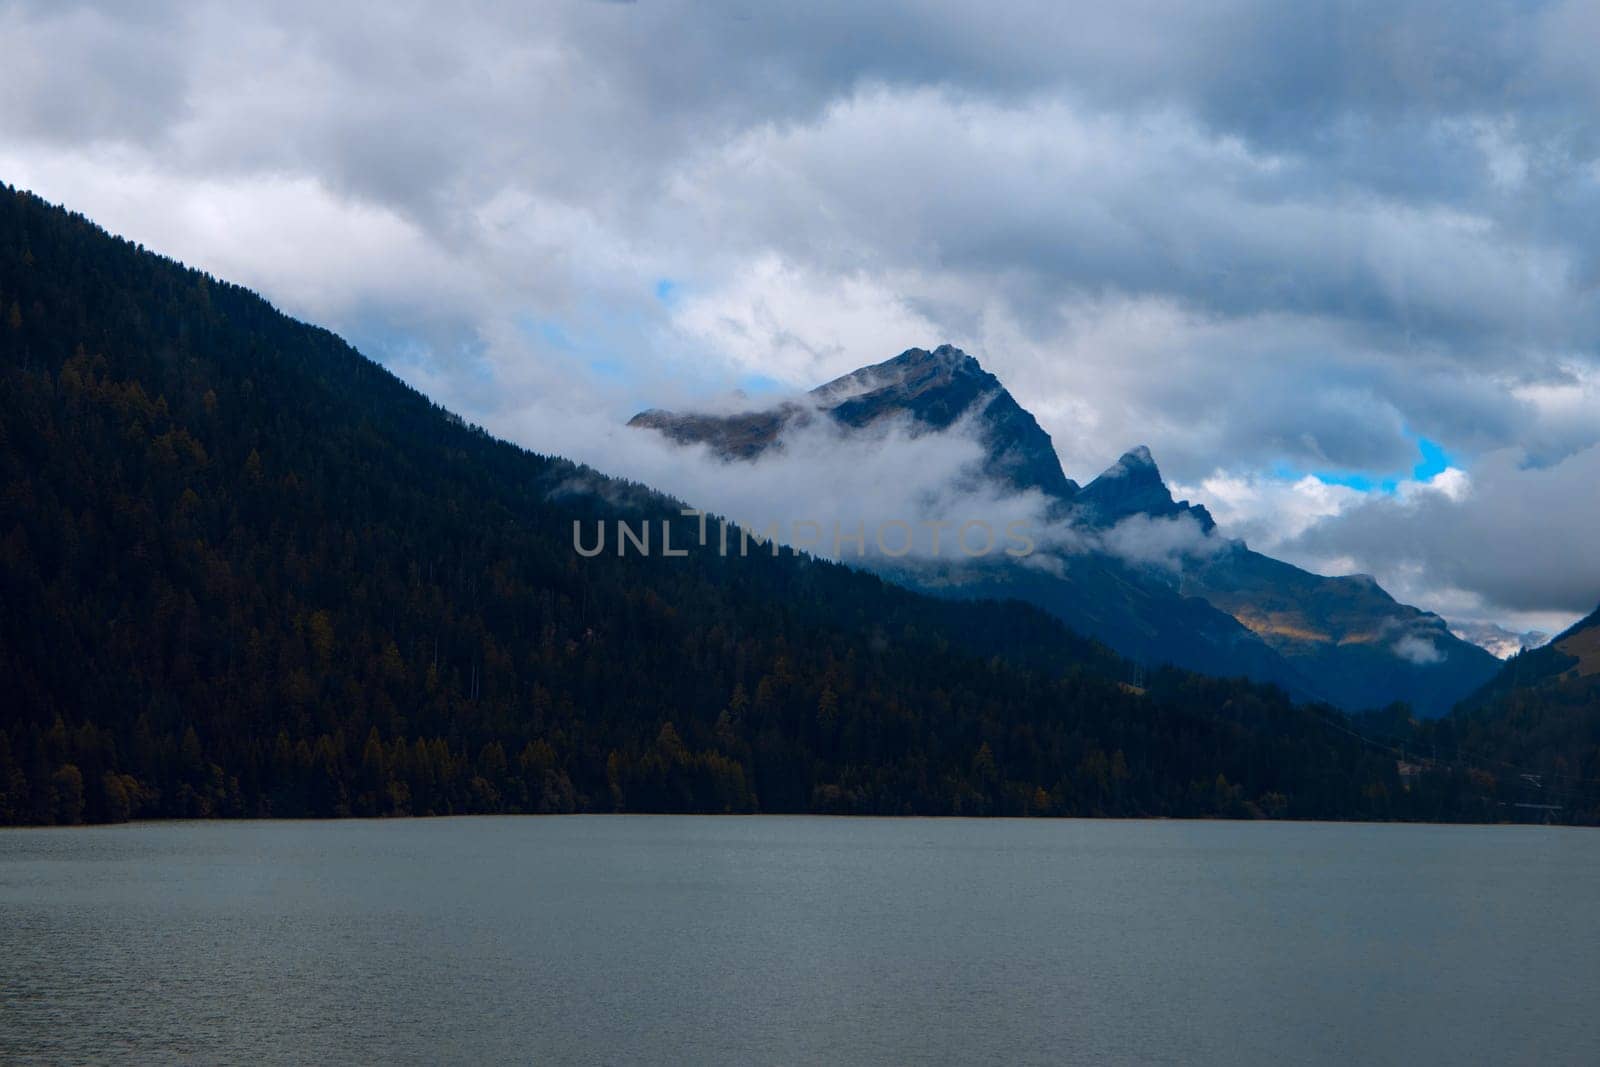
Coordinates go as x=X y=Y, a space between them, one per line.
x=1418 y=650
x=1060 y=197
x=1516 y=536
x=889 y=491
x=1168 y=543
x=750 y=322
x=1265 y=511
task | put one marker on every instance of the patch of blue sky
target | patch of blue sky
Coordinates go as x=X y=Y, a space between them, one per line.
x=598 y=358
x=457 y=353
x=1434 y=459
x=758 y=384
x=1363 y=483
x=549 y=331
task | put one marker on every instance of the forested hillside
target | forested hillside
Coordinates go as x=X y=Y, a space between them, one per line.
x=245 y=571
x=1534 y=730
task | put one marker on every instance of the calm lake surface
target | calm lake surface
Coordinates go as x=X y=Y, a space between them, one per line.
x=789 y=940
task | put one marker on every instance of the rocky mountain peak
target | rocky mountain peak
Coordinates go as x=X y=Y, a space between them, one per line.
x=1133 y=486
x=932 y=388
x=1136 y=464
x=913 y=373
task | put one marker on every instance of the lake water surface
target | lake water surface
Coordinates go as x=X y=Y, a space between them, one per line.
x=796 y=940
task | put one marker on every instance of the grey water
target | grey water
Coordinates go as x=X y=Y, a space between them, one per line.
x=638 y=939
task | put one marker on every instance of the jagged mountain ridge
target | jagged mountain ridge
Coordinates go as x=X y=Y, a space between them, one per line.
x=932 y=388
x=1230 y=611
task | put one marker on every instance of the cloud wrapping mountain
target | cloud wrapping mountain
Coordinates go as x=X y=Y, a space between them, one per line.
x=1120 y=559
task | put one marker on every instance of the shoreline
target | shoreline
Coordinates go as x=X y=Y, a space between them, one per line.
x=402 y=819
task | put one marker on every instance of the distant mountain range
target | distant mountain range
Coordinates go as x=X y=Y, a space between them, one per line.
x=1497 y=640
x=1227 y=610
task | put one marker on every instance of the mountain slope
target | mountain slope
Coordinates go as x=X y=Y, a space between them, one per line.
x=246 y=571
x=1571 y=658
x=1362 y=648
x=1353 y=644
x=1230 y=611
x=1532 y=735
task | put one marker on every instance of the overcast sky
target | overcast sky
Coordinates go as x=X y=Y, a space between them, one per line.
x=1336 y=265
